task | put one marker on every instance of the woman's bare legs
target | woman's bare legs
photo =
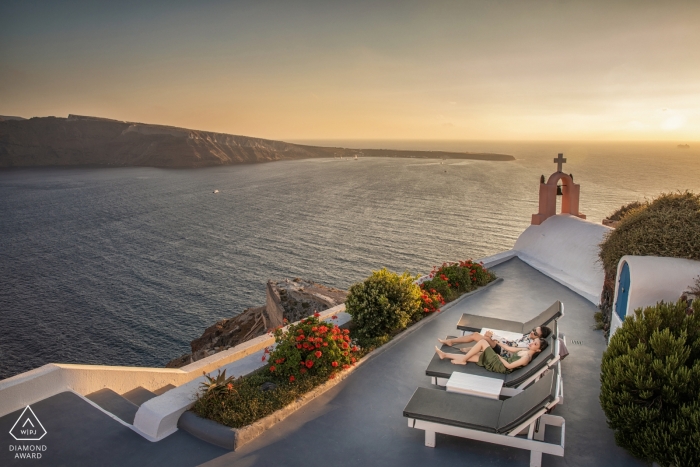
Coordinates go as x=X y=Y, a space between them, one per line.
x=477 y=349
x=454 y=358
x=471 y=356
x=475 y=336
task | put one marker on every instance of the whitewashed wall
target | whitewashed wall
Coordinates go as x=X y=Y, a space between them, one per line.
x=565 y=248
x=654 y=279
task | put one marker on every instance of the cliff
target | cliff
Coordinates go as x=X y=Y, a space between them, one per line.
x=290 y=300
x=92 y=141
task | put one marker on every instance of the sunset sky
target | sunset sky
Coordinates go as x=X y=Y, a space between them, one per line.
x=480 y=70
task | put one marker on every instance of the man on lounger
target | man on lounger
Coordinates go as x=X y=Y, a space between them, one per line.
x=483 y=355
x=500 y=345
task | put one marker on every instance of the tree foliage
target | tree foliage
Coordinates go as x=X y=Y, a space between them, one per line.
x=383 y=303
x=650 y=384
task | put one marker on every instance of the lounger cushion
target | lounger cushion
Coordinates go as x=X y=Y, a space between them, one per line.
x=478 y=413
x=544 y=318
x=435 y=405
x=470 y=322
x=476 y=323
x=519 y=408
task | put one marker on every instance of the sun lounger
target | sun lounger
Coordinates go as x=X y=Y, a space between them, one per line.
x=475 y=323
x=518 y=422
x=440 y=371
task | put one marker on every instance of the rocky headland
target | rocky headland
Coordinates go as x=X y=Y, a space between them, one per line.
x=100 y=142
x=287 y=299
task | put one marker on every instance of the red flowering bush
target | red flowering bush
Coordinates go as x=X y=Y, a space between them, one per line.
x=451 y=280
x=311 y=348
x=432 y=299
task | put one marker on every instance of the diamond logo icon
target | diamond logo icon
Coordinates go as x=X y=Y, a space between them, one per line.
x=28 y=427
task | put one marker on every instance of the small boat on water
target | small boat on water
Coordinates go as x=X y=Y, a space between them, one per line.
x=216 y=191
x=683 y=146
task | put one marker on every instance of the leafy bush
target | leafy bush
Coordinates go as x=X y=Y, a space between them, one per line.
x=453 y=279
x=650 y=384
x=624 y=209
x=311 y=347
x=383 y=303
x=695 y=288
x=666 y=226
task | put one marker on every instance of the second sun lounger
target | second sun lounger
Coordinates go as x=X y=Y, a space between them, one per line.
x=493 y=421
x=475 y=323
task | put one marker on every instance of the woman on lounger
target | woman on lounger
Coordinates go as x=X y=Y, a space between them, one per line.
x=483 y=355
x=499 y=344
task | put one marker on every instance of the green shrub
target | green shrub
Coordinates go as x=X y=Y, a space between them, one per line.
x=650 y=384
x=383 y=303
x=624 y=209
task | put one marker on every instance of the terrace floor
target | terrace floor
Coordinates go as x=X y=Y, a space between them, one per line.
x=360 y=421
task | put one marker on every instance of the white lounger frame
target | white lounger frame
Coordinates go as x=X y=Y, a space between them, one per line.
x=534 y=425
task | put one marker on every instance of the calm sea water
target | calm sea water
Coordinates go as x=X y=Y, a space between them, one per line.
x=126 y=266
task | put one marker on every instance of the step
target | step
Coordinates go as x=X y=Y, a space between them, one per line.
x=114 y=404
x=165 y=388
x=139 y=395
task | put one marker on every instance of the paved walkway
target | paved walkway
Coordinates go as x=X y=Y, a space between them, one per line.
x=359 y=422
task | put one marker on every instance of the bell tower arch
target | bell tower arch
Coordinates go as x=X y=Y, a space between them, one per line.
x=548 y=195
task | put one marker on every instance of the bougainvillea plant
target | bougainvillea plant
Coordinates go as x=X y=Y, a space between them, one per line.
x=432 y=299
x=311 y=348
x=453 y=279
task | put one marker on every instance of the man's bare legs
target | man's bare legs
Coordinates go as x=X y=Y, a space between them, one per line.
x=475 y=336
x=471 y=356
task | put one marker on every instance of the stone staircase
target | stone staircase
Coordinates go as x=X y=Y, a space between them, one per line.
x=126 y=405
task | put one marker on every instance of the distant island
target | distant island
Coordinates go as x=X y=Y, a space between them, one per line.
x=93 y=141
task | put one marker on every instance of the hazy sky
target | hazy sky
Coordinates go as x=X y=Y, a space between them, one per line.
x=488 y=69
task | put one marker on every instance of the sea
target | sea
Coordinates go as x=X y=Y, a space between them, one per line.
x=125 y=266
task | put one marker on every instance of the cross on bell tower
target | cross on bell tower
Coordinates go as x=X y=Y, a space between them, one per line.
x=560 y=160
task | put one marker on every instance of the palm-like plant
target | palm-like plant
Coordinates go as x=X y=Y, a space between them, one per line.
x=218 y=385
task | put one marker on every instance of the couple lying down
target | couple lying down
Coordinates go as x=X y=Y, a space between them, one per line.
x=490 y=351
